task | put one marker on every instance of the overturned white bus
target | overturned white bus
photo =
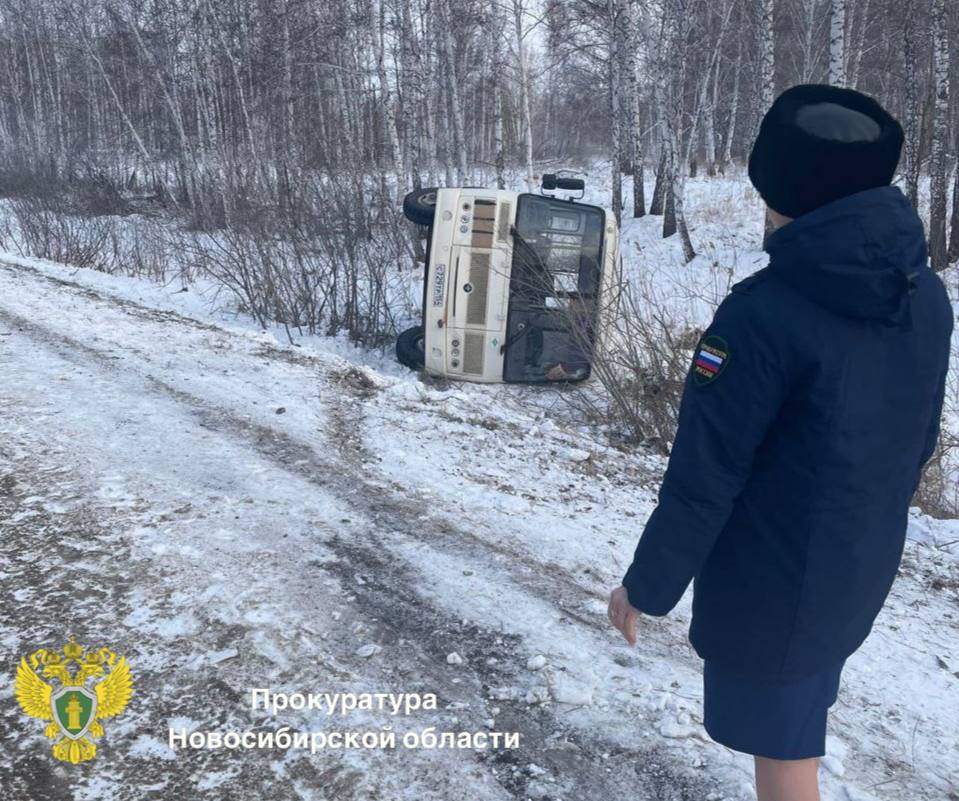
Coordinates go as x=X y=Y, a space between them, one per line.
x=517 y=286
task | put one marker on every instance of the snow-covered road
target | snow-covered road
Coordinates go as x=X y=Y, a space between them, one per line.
x=232 y=513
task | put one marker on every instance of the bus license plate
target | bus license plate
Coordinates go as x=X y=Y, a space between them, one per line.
x=439 y=282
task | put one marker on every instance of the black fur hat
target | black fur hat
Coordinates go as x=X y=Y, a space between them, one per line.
x=819 y=143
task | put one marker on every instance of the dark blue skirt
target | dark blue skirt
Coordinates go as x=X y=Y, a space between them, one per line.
x=778 y=721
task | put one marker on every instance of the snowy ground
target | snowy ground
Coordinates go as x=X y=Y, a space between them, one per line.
x=232 y=512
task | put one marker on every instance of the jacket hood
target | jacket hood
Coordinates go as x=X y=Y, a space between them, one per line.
x=859 y=256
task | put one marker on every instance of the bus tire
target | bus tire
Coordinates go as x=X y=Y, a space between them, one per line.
x=420 y=205
x=409 y=348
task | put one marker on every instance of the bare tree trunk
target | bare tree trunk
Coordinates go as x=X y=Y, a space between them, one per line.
x=676 y=201
x=660 y=189
x=524 y=90
x=952 y=254
x=911 y=121
x=411 y=88
x=499 y=141
x=678 y=196
x=497 y=24
x=727 y=156
x=287 y=140
x=669 y=182
x=658 y=205
x=447 y=138
x=452 y=89
x=377 y=35
x=853 y=77
x=767 y=77
x=615 y=107
x=432 y=98
x=636 y=157
x=498 y=138
x=767 y=44
x=709 y=122
x=810 y=18
x=837 y=43
x=675 y=218
x=938 y=166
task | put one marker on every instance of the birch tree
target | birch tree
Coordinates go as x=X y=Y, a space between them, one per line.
x=231 y=107
x=452 y=88
x=636 y=156
x=953 y=251
x=727 y=155
x=674 y=220
x=377 y=38
x=767 y=73
x=938 y=167
x=767 y=55
x=525 y=103
x=617 y=45
x=911 y=143
x=660 y=107
x=837 y=43
x=497 y=24
x=807 y=16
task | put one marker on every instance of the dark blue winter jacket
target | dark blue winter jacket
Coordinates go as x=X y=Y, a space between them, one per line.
x=811 y=405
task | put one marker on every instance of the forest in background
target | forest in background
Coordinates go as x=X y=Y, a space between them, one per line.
x=224 y=109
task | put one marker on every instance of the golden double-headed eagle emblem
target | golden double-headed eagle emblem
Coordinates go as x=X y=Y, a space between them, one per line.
x=77 y=704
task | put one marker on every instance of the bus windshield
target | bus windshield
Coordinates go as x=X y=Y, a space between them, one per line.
x=554 y=288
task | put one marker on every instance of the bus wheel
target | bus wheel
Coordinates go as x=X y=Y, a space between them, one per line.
x=420 y=205
x=409 y=348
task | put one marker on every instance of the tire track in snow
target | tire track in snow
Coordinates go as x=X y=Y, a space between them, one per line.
x=68 y=556
x=391 y=595
x=387 y=502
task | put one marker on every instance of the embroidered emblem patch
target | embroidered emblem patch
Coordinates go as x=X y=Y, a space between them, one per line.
x=712 y=354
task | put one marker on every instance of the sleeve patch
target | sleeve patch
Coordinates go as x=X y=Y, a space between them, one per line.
x=712 y=355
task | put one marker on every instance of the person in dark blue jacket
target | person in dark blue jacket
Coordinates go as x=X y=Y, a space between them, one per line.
x=811 y=405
